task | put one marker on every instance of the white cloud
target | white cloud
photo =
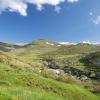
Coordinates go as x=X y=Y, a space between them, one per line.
x=13 y=6
x=93 y=43
x=91 y=13
x=96 y=20
x=57 y=9
x=87 y=42
x=21 y=6
x=72 y=1
x=84 y=42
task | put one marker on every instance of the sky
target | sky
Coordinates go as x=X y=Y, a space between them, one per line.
x=56 y=20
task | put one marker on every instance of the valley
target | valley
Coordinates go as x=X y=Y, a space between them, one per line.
x=47 y=70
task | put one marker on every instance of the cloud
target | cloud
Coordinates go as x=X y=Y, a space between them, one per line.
x=20 y=6
x=93 y=43
x=84 y=42
x=72 y=1
x=87 y=42
x=13 y=6
x=57 y=9
x=91 y=13
x=96 y=20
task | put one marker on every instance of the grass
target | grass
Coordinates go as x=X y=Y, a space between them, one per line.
x=24 y=84
x=20 y=93
x=19 y=82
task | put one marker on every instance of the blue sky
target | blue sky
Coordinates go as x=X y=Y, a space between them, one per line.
x=65 y=21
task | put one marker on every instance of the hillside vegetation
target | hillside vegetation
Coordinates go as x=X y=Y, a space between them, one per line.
x=46 y=70
x=23 y=84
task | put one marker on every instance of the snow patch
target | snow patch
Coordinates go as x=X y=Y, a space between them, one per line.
x=67 y=43
x=49 y=43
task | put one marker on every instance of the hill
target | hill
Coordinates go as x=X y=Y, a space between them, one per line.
x=42 y=62
x=32 y=51
x=80 y=48
x=92 y=60
x=23 y=84
x=7 y=46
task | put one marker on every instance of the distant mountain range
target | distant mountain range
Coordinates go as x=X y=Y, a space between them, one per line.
x=84 y=42
x=42 y=46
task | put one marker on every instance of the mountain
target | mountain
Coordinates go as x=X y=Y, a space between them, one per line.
x=67 y=43
x=48 y=70
x=31 y=52
x=40 y=46
x=80 y=48
x=7 y=46
x=84 y=42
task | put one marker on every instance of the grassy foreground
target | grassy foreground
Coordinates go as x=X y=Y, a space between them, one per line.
x=22 y=84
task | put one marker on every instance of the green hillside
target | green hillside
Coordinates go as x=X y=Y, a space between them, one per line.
x=31 y=52
x=92 y=60
x=23 y=84
x=80 y=48
x=29 y=72
x=7 y=46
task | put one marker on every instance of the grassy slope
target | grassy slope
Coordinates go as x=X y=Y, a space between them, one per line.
x=72 y=54
x=78 y=49
x=23 y=84
x=32 y=54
